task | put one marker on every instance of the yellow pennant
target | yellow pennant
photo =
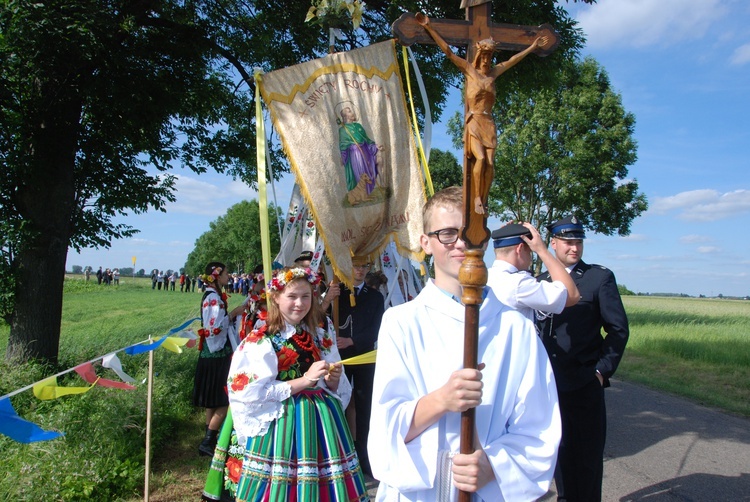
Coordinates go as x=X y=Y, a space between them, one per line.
x=48 y=389
x=366 y=358
x=175 y=343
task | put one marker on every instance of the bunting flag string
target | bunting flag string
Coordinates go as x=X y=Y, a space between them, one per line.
x=24 y=431
x=21 y=430
x=87 y=372
x=48 y=389
x=112 y=362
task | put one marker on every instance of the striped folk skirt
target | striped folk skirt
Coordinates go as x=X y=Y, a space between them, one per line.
x=307 y=455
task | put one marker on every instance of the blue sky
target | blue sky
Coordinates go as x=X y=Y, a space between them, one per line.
x=682 y=68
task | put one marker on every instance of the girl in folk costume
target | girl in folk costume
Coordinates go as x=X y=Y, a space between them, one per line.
x=287 y=393
x=226 y=466
x=217 y=342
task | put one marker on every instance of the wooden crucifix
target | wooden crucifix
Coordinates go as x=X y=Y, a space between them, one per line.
x=481 y=37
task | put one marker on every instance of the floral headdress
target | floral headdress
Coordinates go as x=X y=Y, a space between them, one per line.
x=216 y=272
x=284 y=277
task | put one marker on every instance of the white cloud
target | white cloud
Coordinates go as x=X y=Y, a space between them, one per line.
x=635 y=237
x=683 y=199
x=694 y=239
x=708 y=249
x=704 y=205
x=642 y=23
x=199 y=197
x=241 y=189
x=741 y=55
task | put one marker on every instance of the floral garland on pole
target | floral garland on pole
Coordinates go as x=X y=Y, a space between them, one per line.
x=335 y=15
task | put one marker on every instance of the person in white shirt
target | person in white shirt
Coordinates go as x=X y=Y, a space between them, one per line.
x=512 y=282
x=420 y=388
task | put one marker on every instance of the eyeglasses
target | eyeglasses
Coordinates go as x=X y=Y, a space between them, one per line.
x=445 y=235
x=365 y=266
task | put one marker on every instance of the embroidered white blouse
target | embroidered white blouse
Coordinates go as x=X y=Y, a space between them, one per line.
x=255 y=393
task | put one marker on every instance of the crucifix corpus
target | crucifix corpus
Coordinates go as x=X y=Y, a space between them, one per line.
x=482 y=38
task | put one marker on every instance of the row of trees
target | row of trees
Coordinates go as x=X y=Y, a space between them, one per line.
x=92 y=93
x=562 y=148
x=234 y=239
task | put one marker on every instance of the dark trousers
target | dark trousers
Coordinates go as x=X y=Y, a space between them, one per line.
x=362 y=376
x=580 y=461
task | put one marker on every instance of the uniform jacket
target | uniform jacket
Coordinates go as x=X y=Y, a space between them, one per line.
x=361 y=322
x=574 y=338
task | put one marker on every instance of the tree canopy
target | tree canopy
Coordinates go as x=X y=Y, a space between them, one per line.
x=565 y=149
x=95 y=96
x=234 y=239
x=445 y=170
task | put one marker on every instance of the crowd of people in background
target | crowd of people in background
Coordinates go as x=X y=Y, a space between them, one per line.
x=168 y=281
x=108 y=277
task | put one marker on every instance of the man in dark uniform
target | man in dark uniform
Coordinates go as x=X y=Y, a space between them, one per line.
x=360 y=313
x=583 y=359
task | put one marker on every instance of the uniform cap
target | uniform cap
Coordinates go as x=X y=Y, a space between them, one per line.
x=509 y=235
x=567 y=228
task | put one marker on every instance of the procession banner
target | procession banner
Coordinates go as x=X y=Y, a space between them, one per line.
x=343 y=123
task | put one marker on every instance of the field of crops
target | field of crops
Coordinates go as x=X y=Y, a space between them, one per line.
x=698 y=348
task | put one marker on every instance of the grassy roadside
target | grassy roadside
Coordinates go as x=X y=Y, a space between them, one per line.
x=697 y=348
x=101 y=456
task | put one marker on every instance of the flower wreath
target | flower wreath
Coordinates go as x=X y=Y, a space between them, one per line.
x=281 y=279
x=216 y=272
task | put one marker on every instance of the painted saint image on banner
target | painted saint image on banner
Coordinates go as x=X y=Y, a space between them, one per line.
x=361 y=157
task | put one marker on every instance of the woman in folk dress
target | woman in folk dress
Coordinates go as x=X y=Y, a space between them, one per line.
x=287 y=393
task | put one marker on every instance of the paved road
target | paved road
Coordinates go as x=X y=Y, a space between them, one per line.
x=662 y=448
x=666 y=449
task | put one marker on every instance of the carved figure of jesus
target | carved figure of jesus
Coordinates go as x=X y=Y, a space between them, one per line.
x=480 y=134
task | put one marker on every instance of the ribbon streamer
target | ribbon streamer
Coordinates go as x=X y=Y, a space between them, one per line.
x=366 y=358
x=420 y=148
x=260 y=151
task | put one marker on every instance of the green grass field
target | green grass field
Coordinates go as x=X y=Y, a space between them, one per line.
x=697 y=348
x=101 y=456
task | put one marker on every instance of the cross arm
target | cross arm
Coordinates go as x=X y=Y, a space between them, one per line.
x=510 y=37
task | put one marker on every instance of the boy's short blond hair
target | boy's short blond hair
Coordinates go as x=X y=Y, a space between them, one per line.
x=449 y=198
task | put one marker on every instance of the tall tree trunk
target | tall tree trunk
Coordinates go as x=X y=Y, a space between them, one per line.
x=35 y=328
x=46 y=200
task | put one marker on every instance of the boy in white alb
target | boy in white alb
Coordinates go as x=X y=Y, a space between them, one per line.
x=420 y=389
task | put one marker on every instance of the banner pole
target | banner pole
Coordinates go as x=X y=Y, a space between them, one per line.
x=148 y=421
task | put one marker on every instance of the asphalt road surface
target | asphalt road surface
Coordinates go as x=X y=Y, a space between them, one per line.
x=662 y=448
